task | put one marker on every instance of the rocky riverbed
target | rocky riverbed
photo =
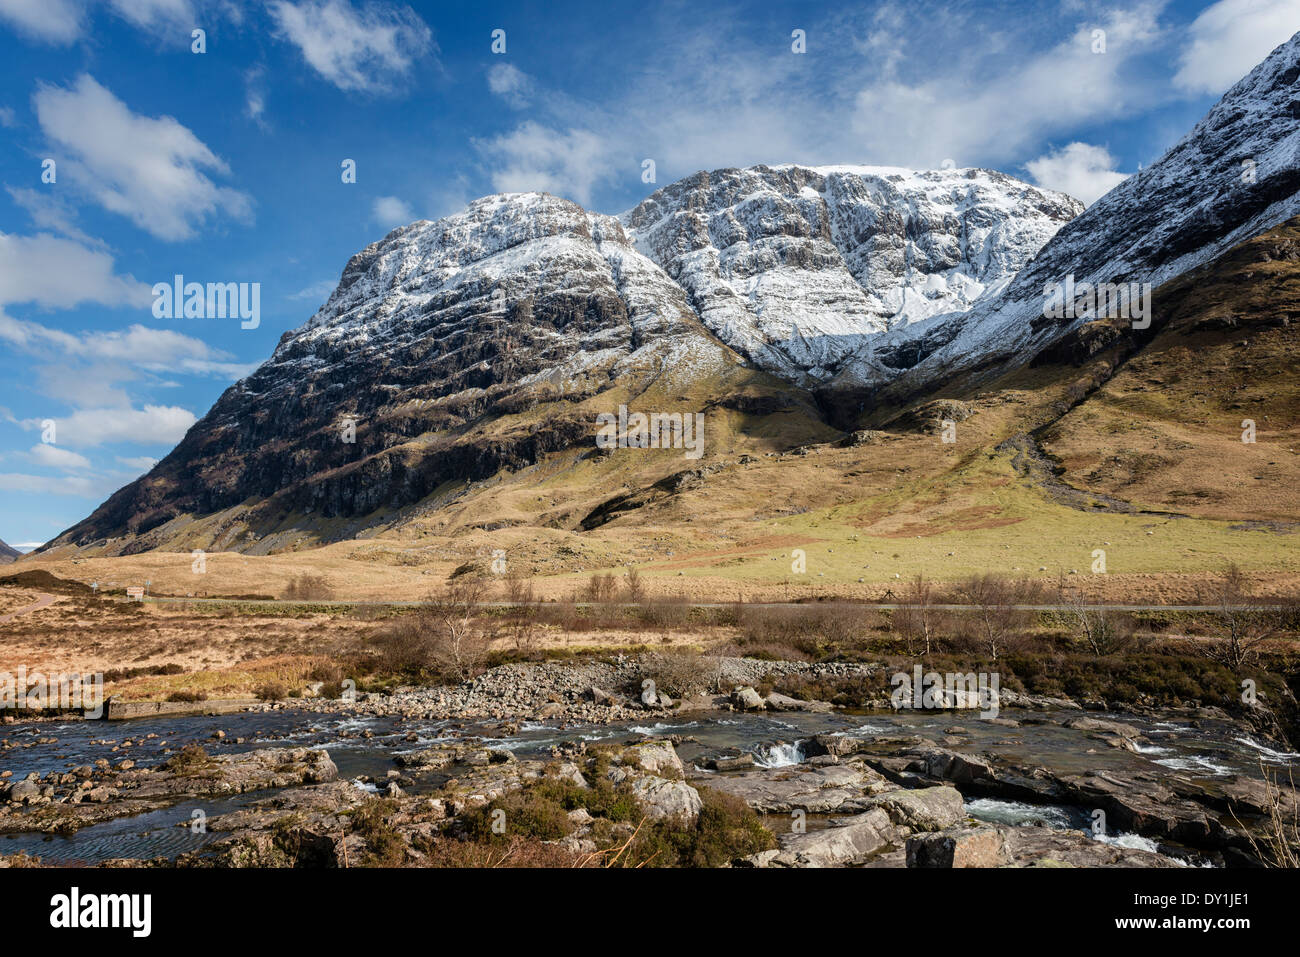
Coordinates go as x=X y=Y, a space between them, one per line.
x=337 y=783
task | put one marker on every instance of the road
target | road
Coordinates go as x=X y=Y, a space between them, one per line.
x=44 y=601
x=695 y=604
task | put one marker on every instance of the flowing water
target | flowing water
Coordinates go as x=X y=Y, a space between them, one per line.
x=365 y=746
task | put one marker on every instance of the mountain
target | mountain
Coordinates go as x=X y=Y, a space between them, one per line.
x=788 y=304
x=799 y=268
x=460 y=348
x=8 y=553
x=1235 y=175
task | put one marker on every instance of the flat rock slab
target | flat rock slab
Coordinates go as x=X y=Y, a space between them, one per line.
x=845 y=843
x=830 y=789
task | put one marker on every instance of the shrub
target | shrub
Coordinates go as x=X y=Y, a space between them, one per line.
x=308 y=588
x=679 y=672
x=271 y=691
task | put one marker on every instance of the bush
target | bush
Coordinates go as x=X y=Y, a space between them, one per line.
x=308 y=588
x=679 y=672
x=271 y=691
x=726 y=830
x=443 y=638
x=189 y=759
x=188 y=696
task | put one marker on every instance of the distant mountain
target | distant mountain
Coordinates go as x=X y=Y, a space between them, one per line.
x=1234 y=176
x=8 y=553
x=787 y=302
x=800 y=268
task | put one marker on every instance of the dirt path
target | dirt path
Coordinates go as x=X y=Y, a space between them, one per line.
x=44 y=601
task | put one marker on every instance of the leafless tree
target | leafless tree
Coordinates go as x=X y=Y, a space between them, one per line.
x=518 y=588
x=444 y=633
x=1105 y=630
x=917 y=620
x=1241 y=622
x=601 y=588
x=996 y=600
x=633 y=587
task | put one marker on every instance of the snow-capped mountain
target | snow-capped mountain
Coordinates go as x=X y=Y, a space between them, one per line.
x=877 y=281
x=798 y=268
x=1235 y=175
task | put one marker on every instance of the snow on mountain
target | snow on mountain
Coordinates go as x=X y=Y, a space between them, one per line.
x=798 y=268
x=1235 y=175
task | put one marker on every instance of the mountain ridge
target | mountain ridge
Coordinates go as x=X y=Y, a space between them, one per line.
x=485 y=342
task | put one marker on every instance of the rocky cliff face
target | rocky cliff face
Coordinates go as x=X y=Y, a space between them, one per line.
x=799 y=268
x=519 y=300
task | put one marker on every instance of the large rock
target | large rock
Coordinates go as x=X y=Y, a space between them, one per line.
x=655 y=757
x=964 y=847
x=832 y=789
x=779 y=702
x=924 y=809
x=663 y=799
x=747 y=699
x=1045 y=847
x=846 y=842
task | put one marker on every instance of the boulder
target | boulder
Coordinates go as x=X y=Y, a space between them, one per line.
x=845 y=843
x=924 y=809
x=829 y=789
x=746 y=698
x=961 y=847
x=663 y=799
x=779 y=702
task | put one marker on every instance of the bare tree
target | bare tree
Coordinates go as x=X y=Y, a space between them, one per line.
x=996 y=602
x=917 y=620
x=601 y=588
x=444 y=633
x=518 y=588
x=1105 y=630
x=633 y=587
x=1241 y=622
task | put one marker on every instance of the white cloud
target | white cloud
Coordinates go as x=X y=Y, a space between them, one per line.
x=157 y=350
x=152 y=424
x=139 y=463
x=255 y=95
x=365 y=49
x=991 y=103
x=150 y=170
x=1084 y=171
x=61 y=273
x=47 y=21
x=389 y=211
x=567 y=163
x=55 y=457
x=966 y=89
x=80 y=486
x=50 y=211
x=510 y=83
x=152 y=14
x=316 y=292
x=1230 y=38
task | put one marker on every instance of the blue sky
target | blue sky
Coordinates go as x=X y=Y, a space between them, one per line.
x=225 y=165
